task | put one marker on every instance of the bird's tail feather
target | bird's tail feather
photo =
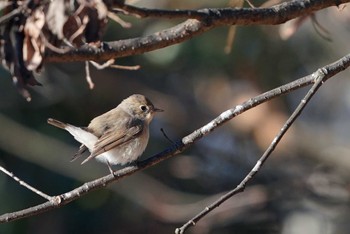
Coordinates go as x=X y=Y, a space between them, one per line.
x=80 y=134
x=56 y=123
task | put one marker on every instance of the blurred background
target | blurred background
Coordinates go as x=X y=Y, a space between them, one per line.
x=303 y=187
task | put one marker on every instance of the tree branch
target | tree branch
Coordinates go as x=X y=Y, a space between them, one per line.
x=24 y=184
x=319 y=80
x=228 y=14
x=200 y=21
x=60 y=200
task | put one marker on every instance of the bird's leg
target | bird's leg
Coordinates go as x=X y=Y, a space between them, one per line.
x=110 y=168
x=135 y=163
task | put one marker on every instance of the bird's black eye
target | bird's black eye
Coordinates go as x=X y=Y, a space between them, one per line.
x=143 y=108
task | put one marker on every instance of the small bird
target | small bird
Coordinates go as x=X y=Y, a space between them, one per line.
x=118 y=136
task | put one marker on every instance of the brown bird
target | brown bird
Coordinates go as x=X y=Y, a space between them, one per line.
x=118 y=136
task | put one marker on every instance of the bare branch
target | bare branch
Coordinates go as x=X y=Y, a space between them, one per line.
x=228 y=13
x=319 y=80
x=21 y=182
x=178 y=147
x=5 y=18
x=118 y=20
x=200 y=22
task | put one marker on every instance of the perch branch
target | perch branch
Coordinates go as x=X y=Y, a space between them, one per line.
x=179 y=146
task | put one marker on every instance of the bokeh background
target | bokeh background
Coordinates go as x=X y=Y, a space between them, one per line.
x=303 y=188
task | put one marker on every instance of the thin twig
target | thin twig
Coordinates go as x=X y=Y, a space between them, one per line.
x=179 y=146
x=21 y=182
x=87 y=75
x=320 y=30
x=52 y=47
x=82 y=23
x=166 y=136
x=320 y=76
x=230 y=39
x=22 y=7
x=110 y=64
x=4 y=4
x=250 y=4
x=118 y=20
x=104 y=65
x=123 y=67
x=5 y=18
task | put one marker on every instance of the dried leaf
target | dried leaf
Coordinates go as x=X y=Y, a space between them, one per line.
x=4 y=4
x=41 y=25
x=289 y=28
x=73 y=28
x=86 y=24
x=33 y=46
x=56 y=17
x=98 y=19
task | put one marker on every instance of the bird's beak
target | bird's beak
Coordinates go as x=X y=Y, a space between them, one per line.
x=157 y=110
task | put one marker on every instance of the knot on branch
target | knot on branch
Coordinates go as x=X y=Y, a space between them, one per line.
x=56 y=200
x=209 y=15
x=179 y=146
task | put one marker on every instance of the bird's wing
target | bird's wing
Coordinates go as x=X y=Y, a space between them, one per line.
x=114 y=138
x=80 y=152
